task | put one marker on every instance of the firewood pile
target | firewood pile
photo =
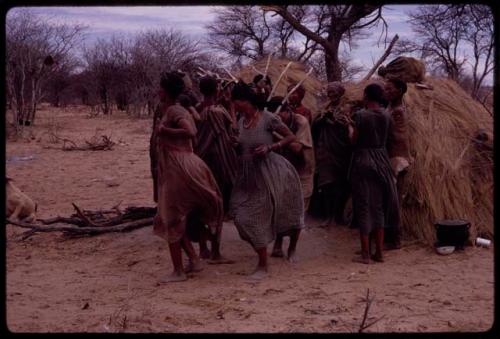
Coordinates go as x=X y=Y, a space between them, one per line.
x=94 y=144
x=89 y=222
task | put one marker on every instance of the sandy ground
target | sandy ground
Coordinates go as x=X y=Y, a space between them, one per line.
x=107 y=283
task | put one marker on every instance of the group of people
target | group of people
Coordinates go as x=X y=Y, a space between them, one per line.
x=241 y=154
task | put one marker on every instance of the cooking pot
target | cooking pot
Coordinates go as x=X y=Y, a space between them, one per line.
x=452 y=232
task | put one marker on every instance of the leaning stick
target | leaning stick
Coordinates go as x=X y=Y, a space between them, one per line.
x=285 y=99
x=232 y=76
x=267 y=64
x=256 y=70
x=382 y=58
x=277 y=82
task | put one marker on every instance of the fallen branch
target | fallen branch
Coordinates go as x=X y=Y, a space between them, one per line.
x=363 y=326
x=64 y=220
x=72 y=230
x=83 y=217
x=382 y=59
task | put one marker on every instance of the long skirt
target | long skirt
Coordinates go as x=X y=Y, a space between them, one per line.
x=267 y=199
x=186 y=186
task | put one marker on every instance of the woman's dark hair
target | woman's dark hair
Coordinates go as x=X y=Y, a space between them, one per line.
x=242 y=91
x=273 y=104
x=208 y=86
x=172 y=84
x=375 y=92
x=185 y=100
x=259 y=77
x=399 y=84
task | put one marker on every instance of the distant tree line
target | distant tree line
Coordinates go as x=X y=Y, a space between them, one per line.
x=45 y=62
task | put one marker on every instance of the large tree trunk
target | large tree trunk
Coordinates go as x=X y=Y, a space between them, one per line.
x=31 y=113
x=332 y=62
x=20 y=106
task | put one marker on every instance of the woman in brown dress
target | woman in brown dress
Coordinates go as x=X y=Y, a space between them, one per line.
x=374 y=195
x=185 y=184
x=267 y=196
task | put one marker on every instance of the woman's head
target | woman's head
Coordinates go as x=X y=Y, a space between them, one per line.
x=335 y=90
x=244 y=98
x=395 y=89
x=208 y=86
x=374 y=93
x=262 y=83
x=171 y=85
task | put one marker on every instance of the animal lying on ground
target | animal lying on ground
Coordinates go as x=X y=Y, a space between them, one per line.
x=18 y=205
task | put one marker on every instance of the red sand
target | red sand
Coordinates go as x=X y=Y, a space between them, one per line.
x=107 y=283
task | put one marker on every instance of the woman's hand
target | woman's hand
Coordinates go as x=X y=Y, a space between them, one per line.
x=261 y=150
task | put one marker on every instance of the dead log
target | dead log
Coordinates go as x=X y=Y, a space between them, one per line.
x=72 y=230
x=83 y=217
x=65 y=220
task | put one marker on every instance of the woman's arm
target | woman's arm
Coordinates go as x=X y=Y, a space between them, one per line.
x=194 y=113
x=353 y=133
x=288 y=138
x=184 y=129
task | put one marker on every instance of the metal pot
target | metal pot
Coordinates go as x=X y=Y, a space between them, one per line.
x=452 y=232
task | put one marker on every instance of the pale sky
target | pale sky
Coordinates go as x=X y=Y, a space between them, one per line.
x=105 y=21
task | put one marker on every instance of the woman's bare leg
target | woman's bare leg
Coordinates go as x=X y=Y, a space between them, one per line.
x=261 y=270
x=365 y=249
x=379 y=245
x=204 y=251
x=278 y=247
x=176 y=255
x=194 y=261
x=294 y=238
x=216 y=257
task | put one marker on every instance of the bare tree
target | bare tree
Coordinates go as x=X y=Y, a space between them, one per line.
x=35 y=49
x=241 y=32
x=479 y=34
x=445 y=33
x=333 y=24
x=440 y=30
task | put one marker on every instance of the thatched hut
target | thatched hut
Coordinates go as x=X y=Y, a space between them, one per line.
x=452 y=172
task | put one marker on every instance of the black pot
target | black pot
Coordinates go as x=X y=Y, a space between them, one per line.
x=452 y=232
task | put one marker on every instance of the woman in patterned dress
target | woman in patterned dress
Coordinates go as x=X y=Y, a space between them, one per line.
x=267 y=196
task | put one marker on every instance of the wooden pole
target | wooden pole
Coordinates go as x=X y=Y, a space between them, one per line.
x=279 y=79
x=382 y=59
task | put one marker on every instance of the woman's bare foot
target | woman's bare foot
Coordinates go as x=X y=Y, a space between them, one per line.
x=361 y=259
x=204 y=254
x=193 y=266
x=277 y=253
x=377 y=258
x=173 y=277
x=219 y=260
x=391 y=247
x=259 y=273
x=292 y=257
